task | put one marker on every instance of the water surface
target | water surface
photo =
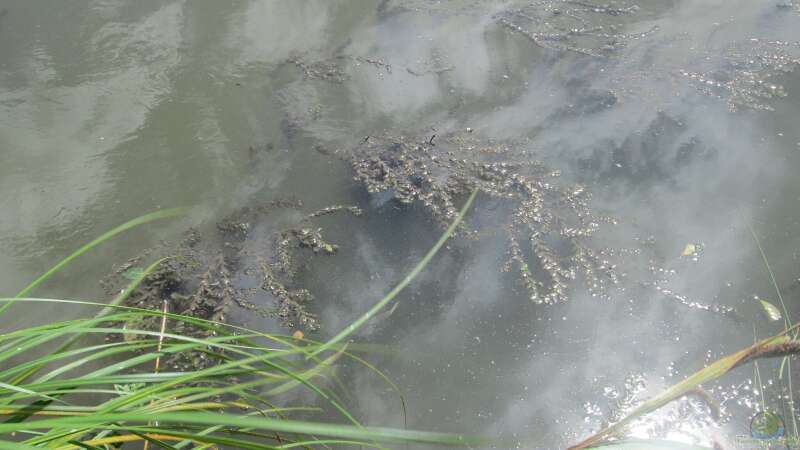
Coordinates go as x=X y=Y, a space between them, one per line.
x=678 y=116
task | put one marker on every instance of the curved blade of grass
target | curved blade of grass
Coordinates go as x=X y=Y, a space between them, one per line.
x=22 y=335
x=163 y=435
x=178 y=435
x=358 y=323
x=210 y=430
x=328 y=442
x=388 y=381
x=181 y=397
x=210 y=325
x=94 y=356
x=157 y=215
x=771 y=274
x=104 y=421
x=64 y=327
x=94 y=352
x=637 y=444
x=42 y=339
x=8 y=445
x=152 y=440
x=139 y=359
x=26 y=391
x=242 y=333
x=207 y=392
x=786 y=363
x=88 y=410
x=116 y=403
x=115 y=301
x=287 y=386
x=778 y=345
x=195 y=321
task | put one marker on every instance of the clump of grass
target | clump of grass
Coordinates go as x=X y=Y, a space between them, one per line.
x=81 y=384
x=103 y=393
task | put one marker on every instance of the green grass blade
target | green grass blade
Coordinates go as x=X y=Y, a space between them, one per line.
x=358 y=323
x=764 y=348
x=771 y=274
x=8 y=445
x=327 y=442
x=103 y=421
x=115 y=301
x=157 y=215
x=636 y=444
x=29 y=392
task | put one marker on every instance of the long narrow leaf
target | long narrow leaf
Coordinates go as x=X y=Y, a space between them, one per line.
x=299 y=427
x=358 y=323
x=157 y=215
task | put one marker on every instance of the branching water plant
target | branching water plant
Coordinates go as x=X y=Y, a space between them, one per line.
x=743 y=74
x=583 y=27
x=204 y=274
x=547 y=222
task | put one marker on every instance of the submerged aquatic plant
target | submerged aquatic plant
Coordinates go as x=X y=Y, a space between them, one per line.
x=547 y=222
x=583 y=27
x=206 y=271
x=89 y=394
x=743 y=74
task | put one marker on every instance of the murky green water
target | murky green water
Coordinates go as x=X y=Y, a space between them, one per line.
x=678 y=116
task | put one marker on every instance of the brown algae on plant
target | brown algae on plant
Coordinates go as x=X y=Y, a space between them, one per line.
x=203 y=276
x=547 y=222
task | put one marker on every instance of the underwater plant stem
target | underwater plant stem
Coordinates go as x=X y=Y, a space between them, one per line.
x=786 y=323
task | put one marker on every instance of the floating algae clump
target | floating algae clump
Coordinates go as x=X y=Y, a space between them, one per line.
x=547 y=222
